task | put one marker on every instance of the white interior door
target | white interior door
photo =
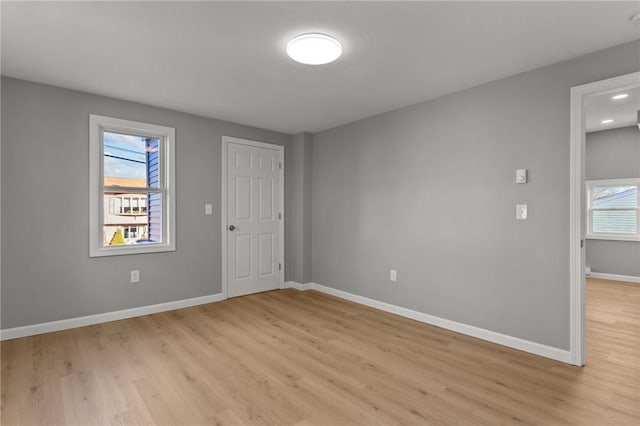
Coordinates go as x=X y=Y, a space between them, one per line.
x=253 y=218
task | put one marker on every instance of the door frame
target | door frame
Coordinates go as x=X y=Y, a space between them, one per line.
x=577 y=207
x=226 y=140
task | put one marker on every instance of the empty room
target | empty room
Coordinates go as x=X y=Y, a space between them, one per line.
x=320 y=213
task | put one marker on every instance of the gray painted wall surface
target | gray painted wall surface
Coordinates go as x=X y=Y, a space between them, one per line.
x=613 y=154
x=46 y=271
x=430 y=190
x=299 y=261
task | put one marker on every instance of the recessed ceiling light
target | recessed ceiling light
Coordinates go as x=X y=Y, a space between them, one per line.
x=620 y=96
x=607 y=121
x=314 y=49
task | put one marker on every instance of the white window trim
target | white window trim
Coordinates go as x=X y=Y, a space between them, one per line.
x=602 y=236
x=97 y=125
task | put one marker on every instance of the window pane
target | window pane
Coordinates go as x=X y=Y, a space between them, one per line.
x=614 y=221
x=131 y=161
x=132 y=224
x=615 y=197
x=126 y=205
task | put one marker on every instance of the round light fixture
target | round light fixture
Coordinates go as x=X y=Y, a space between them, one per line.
x=620 y=96
x=314 y=49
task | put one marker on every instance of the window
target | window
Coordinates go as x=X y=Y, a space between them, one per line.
x=130 y=205
x=132 y=170
x=613 y=209
x=130 y=232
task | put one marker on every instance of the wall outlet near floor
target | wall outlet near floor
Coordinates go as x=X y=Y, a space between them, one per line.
x=135 y=276
x=393 y=275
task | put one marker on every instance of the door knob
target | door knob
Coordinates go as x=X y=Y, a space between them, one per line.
x=231 y=227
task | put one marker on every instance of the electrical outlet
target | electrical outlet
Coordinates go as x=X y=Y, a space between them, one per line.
x=135 y=276
x=393 y=275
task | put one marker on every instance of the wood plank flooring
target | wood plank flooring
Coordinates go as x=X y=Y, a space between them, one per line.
x=304 y=358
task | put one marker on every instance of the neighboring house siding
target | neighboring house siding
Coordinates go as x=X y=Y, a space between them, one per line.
x=154 y=211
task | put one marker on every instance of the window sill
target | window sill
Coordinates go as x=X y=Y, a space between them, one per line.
x=613 y=237
x=131 y=249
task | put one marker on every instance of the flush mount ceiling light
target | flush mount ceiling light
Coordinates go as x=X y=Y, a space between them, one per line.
x=314 y=49
x=620 y=96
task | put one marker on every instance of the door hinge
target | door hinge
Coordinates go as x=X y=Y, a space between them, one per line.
x=581 y=243
x=280 y=216
x=279 y=266
x=280 y=165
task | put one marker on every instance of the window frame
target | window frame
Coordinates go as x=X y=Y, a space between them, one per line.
x=589 y=185
x=98 y=125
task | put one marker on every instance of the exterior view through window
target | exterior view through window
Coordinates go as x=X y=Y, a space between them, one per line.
x=613 y=209
x=132 y=207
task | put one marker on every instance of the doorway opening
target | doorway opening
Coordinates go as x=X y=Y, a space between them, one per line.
x=588 y=218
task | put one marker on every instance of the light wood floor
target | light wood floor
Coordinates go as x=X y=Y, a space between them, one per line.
x=304 y=358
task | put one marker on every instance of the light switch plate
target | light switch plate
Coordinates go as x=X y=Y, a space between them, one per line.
x=521 y=211
x=208 y=209
x=521 y=176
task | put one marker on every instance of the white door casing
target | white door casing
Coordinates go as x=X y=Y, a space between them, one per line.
x=252 y=217
x=577 y=205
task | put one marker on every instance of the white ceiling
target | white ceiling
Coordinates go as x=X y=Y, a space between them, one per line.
x=623 y=112
x=227 y=60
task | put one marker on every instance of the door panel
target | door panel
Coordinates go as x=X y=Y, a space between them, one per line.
x=243 y=198
x=243 y=256
x=253 y=192
x=266 y=254
x=266 y=199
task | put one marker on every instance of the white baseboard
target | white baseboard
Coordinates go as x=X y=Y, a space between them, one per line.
x=298 y=286
x=491 y=336
x=615 y=277
x=48 y=327
x=481 y=333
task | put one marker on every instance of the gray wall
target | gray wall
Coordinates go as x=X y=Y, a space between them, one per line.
x=613 y=154
x=299 y=245
x=430 y=190
x=46 y=271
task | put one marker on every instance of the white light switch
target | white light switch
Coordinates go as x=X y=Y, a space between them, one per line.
x=521 y=211
x=208 y=209
x=393 y=275
x=135 y=276
x=521 y=176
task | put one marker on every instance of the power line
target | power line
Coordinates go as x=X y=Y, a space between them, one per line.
x=125 y=159
x=124 y=149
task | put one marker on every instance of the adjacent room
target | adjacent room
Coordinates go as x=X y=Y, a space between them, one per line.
x=320 y=213
x=612 y=250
